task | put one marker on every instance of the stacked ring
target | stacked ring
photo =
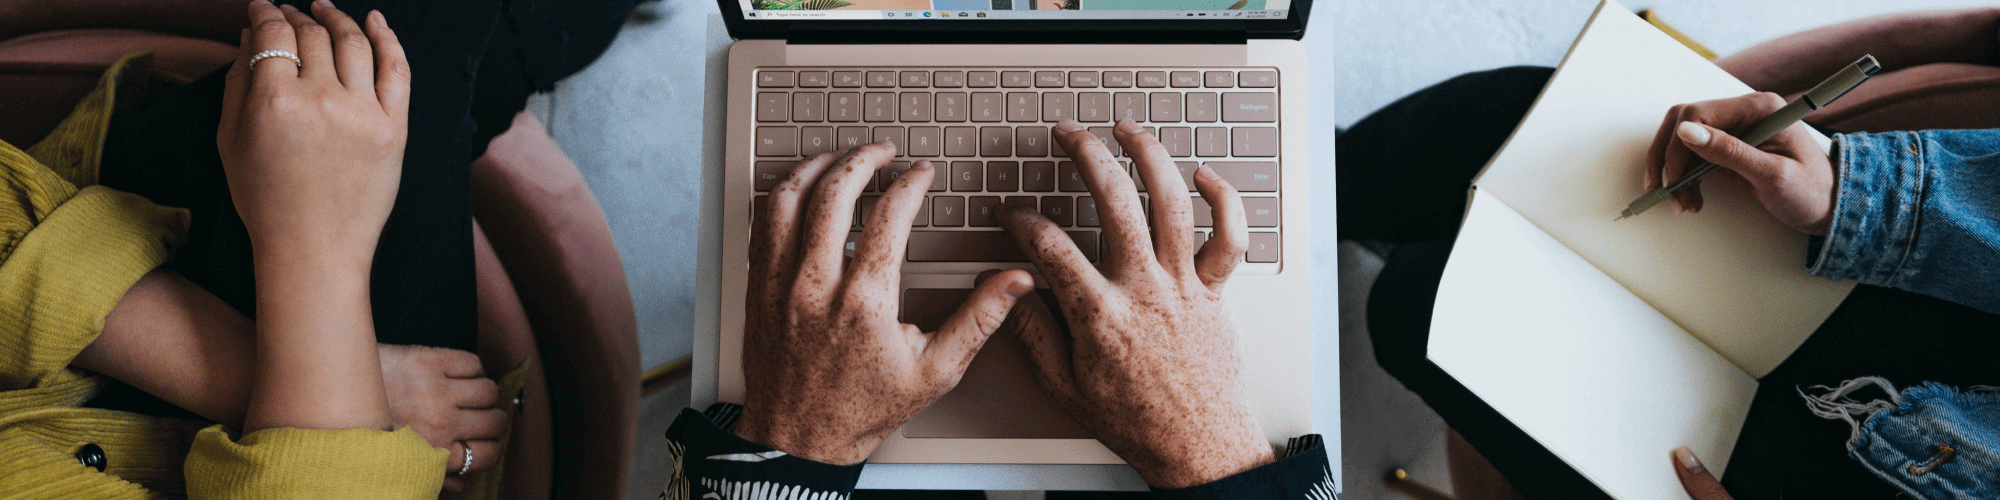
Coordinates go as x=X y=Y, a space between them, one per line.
x=276 y=53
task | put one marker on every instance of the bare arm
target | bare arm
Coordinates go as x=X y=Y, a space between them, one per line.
x=1798 y=61
x=174 y=340
x=211 y=19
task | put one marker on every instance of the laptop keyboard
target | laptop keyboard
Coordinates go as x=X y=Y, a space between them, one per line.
x=986 y=131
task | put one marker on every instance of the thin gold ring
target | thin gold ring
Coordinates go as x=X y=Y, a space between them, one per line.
x=276 y=53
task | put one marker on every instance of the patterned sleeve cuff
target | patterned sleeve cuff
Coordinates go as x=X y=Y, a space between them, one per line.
x=1877 y=211
x=1304 y=474
x=709 y=458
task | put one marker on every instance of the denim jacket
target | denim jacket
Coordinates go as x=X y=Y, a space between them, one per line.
x=1918 y=211
x=1931 y=441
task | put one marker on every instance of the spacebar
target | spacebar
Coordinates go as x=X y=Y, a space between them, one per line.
x=964 y=246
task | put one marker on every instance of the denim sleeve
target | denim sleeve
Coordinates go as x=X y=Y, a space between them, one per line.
x=1303 y=474
x=1918 y=211
x=710 y=461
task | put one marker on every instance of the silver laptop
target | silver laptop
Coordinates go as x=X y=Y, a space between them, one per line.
x=975 y=86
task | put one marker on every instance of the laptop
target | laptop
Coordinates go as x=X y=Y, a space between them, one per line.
x=975 y=86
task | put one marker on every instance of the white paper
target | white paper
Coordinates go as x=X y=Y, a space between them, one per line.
x=1732 y=275
x=1579 y=363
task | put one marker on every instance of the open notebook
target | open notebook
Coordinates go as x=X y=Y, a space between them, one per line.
x=1612 y=343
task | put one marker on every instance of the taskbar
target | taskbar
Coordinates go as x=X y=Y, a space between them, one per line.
x=1035 y=15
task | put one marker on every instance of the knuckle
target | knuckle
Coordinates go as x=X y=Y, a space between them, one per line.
x=312 y=30
x=354 y=40
x=273 y=28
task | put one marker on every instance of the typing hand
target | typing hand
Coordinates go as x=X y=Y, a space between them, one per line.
x=1700 y=485
x=829 y=369
x=1149 y=364
x=1788 y=174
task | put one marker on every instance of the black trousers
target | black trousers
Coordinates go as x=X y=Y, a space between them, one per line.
x=473 y=65
x=1403 y=174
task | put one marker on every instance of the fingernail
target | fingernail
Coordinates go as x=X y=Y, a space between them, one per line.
x=1688 y=461
x=288 y=8
x=323 y=3
x=380 y=18
x=1067 y=126
x=1692 y=134
x=1019 y=289
x=1206 y=174
x=1129 y=126
x=921 y=165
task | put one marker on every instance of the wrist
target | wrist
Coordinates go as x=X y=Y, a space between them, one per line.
x=1201 y=462
x=810 y=444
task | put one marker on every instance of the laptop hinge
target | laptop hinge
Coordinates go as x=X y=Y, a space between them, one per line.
x=961 y=35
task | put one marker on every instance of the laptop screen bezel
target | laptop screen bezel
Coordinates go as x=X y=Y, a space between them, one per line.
x=1013 y=31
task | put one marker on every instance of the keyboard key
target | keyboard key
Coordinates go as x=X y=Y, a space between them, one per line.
x=1024 y=106
x=923 y=215
x=1200 y=238
x=1253 y=141
x=961 y=141
x=1187 y=79
x=1261 y=212
x=1038 y=176
x=1219 y=79
x=808 y=107
x=948 y=211
x=1166 y=107
x=1003 y=176
x=1058 y=106
x=895 y=136
x=1211 y=141
x=1030 y=202
x=758 y=206
x=1152 y=79
x=863 y=208
x=1185 y=168
x=1129 y=106
x=1093 y=107
x=1259 y=107
x=966 y=176
x=917 y=106
x=843 y=107
x=881 y=79
x=988 y=106
x=1069 y=179
x=813 y=79
x=878 y=107
x=851 y=137
x=1086 y=243
x=853 y=242
x=996 y=141
x=983 y=211
x=926 y=142
x=1016 y=79
x=847 y=79
x=774 y=79
x=777 y=141
x=1083 y=79
x=949 y=79
x=1032 y=142
x=1179 y=141
x=1117 y=79
x=1257 y=79
x=773 y=107
x=1248 y=176
x=815 y=140
x=1201 y=107
x=964 y=246
x=1110 y=141
x=1049 y=79
x=894 y=171
x=1086 y=212
x=1263 y=248
x=982 y=79
x=953 y=107
x=767 y=174
x=1059 y=209
x=1204 y=215
x=916 y=79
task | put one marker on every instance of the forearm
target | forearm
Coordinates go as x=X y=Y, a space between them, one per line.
x=218 y=20
x=316 y=365
x=1798 y=61
x=1918 y=211
x=175 y=340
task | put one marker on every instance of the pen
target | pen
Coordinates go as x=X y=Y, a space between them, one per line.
x=1821 y=95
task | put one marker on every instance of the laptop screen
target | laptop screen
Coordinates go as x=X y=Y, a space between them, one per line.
x=1016 y=10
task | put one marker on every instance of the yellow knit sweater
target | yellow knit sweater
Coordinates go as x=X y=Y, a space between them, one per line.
x=69 y=250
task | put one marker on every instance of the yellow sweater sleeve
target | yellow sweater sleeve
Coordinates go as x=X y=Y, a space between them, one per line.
x=313 y=463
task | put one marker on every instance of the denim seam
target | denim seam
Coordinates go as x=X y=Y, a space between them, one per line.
x=1907 y=264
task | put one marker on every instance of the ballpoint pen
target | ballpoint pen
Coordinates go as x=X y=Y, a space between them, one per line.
x=1821 y=95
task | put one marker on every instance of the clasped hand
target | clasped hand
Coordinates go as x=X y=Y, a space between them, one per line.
x=1147 y=361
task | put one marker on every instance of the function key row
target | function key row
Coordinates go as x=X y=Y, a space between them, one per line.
x=1017 y=79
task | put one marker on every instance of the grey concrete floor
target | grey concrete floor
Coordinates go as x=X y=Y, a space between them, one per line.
x=633 y=122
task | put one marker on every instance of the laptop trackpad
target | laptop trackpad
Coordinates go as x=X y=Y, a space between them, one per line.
x=998 y=397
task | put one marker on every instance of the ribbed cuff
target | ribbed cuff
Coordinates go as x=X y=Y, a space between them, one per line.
x=1878 y=210
x=712 y=459
x=1303 y=475
x=286 y=463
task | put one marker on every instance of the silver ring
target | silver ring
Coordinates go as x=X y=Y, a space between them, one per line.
x=276 y=53
x=467 y=467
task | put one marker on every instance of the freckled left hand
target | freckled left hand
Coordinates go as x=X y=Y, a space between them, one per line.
x=829 y=369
